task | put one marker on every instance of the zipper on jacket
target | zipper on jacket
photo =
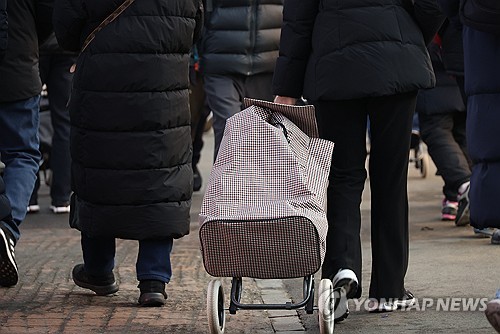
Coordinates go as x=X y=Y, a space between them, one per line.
x=253 y=33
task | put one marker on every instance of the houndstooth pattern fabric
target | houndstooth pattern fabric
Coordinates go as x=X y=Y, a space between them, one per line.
x=263 y=213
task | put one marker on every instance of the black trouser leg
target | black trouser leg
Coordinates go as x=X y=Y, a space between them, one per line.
x=344 y=123
x=391 y=123
x=444 y=135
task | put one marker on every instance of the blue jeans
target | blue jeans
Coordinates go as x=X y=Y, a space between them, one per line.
x=19 y=152
x=153 y=260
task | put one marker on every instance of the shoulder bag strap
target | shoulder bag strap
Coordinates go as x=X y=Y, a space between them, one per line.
x=111 y=17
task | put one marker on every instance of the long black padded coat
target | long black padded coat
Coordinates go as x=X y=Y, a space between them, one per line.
x=350 y=49
x=130 y=120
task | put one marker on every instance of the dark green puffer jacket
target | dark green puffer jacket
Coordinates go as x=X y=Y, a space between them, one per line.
x=130 y=120
x=347 y=49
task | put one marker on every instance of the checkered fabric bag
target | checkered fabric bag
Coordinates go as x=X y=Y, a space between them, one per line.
x=263 y=213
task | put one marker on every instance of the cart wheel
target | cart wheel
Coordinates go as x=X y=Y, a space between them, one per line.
x=326 y=303
x=215 y=307
x=424 y=165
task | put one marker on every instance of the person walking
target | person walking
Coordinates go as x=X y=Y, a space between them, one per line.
x=130 y=134
x=24 y=24
x=355 y=61
x=54 y=71
x=482 y=88
x=483 y=109
x=238 y=52
x=441 y=113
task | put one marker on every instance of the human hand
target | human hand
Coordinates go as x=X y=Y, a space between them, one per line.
x=285 y=100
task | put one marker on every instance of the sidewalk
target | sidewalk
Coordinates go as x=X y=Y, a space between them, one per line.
x=445 y=262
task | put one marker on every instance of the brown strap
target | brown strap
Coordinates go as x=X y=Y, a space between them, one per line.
x=111 y=17
x=106 y=21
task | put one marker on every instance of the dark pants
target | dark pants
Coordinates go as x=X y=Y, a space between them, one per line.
x=444 y=135
x=54 y=72
x=153 y=260
x=199 y=114
x=344 y=123
x=225 y=95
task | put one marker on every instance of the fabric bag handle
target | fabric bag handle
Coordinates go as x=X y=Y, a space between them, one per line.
x=110 y=18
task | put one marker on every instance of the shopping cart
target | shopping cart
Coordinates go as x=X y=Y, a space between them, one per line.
x=263 y=213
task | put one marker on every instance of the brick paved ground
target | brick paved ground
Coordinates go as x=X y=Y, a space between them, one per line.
x=445 y=261
x=46 y=300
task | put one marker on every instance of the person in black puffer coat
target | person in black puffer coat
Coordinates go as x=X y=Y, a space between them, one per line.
x=353 y=60
x=130 y=135
x=238 y=52
x=441 y=113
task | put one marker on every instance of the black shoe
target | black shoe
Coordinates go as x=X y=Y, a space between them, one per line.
x=196 y=179
x=101 y=285
x=8 y=267
x=152 y=293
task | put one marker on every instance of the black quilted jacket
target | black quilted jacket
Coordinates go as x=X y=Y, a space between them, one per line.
x=347 y=49
x=23 y=26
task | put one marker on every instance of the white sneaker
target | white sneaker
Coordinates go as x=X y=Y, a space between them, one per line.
x=60 y=209
x=390 y=305
x=345 y=285
x=33 y=208
x=376 y=306
x=408 y=300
